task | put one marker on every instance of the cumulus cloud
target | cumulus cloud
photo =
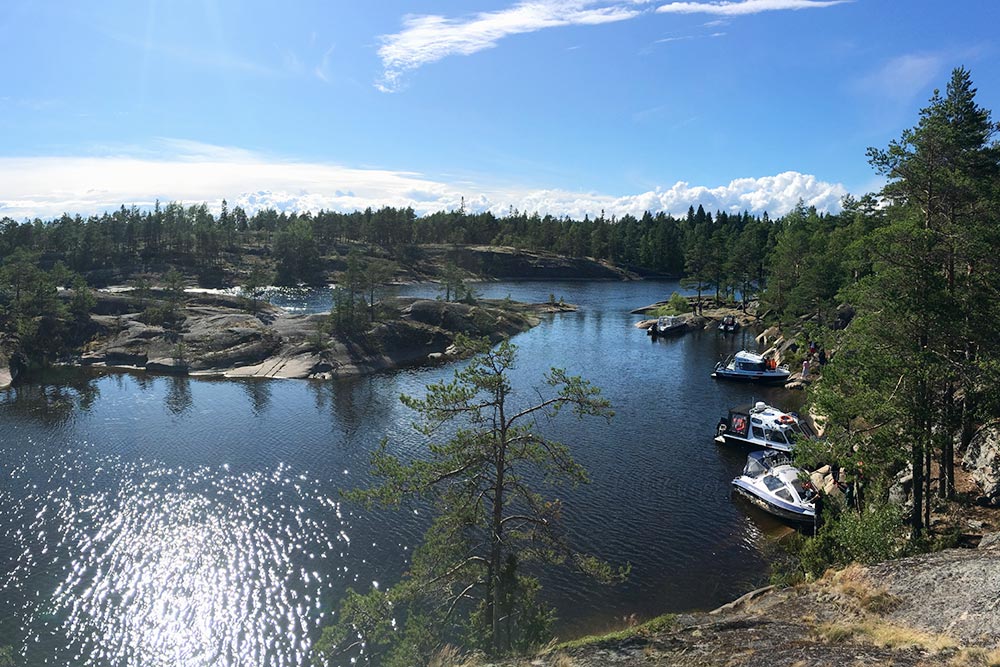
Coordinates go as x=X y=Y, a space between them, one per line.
x=427 y=39
x=47 y=187
x=743 y=7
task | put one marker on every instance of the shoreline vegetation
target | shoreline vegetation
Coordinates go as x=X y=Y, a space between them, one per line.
x=901 y=289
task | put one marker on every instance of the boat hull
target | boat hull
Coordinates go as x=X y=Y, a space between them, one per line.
x=759 y=378
x=775 y=506
x=728 y=439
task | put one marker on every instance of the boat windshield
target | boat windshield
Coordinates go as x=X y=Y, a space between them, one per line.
x=755 y=366
x=773 y=483
x=776 y=436
x=754 y=468
x=801 y=490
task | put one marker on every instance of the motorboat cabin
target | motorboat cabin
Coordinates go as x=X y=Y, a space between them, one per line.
x=751 y=367
x=762 y=425
x=770 y=481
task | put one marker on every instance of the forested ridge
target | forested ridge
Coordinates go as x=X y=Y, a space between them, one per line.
x=131 y=240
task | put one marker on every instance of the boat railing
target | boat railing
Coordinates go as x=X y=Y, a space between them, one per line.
x=775 y=460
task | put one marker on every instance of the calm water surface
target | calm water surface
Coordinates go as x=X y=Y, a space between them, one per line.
x=155 y=521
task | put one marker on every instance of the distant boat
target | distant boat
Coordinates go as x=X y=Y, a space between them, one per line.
x=770 y=481
x=667 y=325
x=751 y=367
x=729 y=324
x=761 y=425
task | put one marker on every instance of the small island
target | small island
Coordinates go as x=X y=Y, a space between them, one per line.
x=212 y=334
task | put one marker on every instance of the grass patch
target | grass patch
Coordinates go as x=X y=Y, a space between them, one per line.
x=885 y=634
x=853 y=582
x=976 y=657
x=651 y=627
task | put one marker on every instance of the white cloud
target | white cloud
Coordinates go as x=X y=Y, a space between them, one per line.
x=427 y=39
x=47 y=187
x=744 y=7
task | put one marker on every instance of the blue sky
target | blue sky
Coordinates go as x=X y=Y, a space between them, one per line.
x=560 y=106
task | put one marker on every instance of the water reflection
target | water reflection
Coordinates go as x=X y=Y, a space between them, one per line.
x=259 y=393
x=165 y=566
x=178 y=397
x=63 y=395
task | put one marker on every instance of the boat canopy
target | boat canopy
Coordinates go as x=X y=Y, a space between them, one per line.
x=760 y=462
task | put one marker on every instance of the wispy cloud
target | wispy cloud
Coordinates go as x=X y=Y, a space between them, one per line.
x=902 y=78
x=427 y=39
x=322 y=70
x=744 y=7
x=47 y=187
x=682 y=38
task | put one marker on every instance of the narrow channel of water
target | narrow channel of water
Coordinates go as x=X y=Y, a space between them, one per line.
x=172 y=521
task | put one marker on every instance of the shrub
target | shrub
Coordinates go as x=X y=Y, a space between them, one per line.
x=872 y=536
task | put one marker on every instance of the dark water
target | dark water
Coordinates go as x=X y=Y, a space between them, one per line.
x=171 y=521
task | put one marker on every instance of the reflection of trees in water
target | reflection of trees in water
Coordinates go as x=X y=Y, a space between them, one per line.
x=179 y=394
x=55 y=396
x=356 y=404
x=258 y=390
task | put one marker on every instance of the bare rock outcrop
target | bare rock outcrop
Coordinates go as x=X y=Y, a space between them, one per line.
x=215 y=335
x=982 y=460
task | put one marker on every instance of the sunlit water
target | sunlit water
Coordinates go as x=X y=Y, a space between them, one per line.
x=155 y=521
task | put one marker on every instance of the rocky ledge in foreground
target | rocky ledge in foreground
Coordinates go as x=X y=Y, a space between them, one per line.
x=216 y=335
x=934 y=609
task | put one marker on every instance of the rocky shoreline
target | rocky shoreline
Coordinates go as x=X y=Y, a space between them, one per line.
x=219 y=336
x=933 y=609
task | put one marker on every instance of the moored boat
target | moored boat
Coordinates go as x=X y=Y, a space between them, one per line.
x=770 y=481
x=728 y=324
x=751 y=367
x=667 y=325
x=761 y=425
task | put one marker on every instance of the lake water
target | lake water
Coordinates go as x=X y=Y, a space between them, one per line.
x=155 y=521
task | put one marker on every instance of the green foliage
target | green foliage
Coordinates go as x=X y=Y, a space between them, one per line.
x=453 y=282
x=255 y=286
x=916 y=367
x=296 y=254
x=466 y=583
x=847 y=536
x=7 y=656
x=678 y=303
x=44 y=325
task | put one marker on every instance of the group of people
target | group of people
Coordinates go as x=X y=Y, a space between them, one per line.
x=816 y=353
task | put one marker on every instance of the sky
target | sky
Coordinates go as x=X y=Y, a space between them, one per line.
x=562 y=107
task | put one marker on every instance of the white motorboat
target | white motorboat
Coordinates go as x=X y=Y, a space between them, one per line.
x=751 y=367
x=667 y=325
x=728 y=324
x=771 y=482
x=761 y=425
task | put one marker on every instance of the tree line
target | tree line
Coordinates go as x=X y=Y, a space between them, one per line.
x=916 y=372
x=134 y=240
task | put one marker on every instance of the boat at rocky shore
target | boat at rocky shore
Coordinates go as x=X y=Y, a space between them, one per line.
x=761 y=425
x=667 y=325
x=748 y=366
x=771 y=482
